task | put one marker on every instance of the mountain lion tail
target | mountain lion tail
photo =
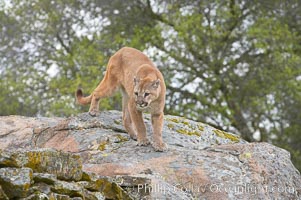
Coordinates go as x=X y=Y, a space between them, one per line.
x=81 y=99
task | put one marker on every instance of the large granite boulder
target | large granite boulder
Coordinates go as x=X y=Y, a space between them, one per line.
x=86 y=157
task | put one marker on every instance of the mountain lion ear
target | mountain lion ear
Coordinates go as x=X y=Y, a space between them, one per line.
x=156 y=83
x=136 y=80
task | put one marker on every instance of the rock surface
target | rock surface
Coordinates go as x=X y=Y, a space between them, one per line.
x=87 y=157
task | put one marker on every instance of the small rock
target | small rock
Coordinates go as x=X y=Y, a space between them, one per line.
x=44 y=178
x=6 y=160
x=99 y=196
x=59 y=197
x=37 y=196
x=67 y=188
x=15 y=182
x=65 y=166
x=41 y=187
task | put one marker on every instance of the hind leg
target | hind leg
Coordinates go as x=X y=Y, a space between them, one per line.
x=102 y=91
x=105 y=89
x=94 y=106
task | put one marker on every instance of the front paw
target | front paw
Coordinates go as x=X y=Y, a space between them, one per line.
x=133 y=136
x=143 y=142
x=160 y=146
x=93 y=113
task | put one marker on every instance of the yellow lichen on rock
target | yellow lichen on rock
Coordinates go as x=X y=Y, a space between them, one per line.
x=102 y=145
x=170 y=126
x=175 y=120
x=183 y=126
x=200 y=127
x=121 y=138
x=187 y=132
x=34 y=161
x=223 y=134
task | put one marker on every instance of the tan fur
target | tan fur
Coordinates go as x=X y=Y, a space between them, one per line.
x=143 y=89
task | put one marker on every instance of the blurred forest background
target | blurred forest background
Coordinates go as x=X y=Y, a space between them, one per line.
x=235 y=64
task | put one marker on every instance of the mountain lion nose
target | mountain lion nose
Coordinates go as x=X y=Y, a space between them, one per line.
x=142 y=103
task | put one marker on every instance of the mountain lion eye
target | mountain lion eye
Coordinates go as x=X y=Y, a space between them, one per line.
x=146 y=94
x=136 y=93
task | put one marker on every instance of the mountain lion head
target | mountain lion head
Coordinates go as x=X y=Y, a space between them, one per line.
x=145 y=91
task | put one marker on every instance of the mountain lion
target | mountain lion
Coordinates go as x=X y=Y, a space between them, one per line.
x=143 y=89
